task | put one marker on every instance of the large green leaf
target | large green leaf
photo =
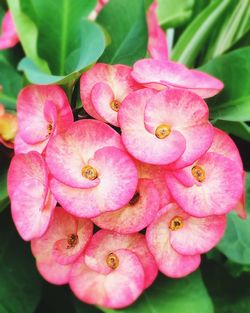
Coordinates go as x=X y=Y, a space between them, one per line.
x=174 y=13
x=239 y=129
x=194 y=37
x=126 y=24
x=11 y=83
x=229 y=294
x=4 y=199
x=234 y=27
x=184 y=295
x=24 y=18
x=58 y=42
x=91 y=46
x=233 y=103
x=20 y=287
x=236 y=242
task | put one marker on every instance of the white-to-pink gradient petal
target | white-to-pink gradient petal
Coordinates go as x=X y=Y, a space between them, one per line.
x=42 y=111
x=198 y=235
x=104 y=242
x=136 y=215
x=186 y=113
x=217 y=194
x=8 y=36
x=117 y=289
x=169 y=261
x=174 y=75
x=142 y=144
x=102 y=84
x=157 y=42
x=69 y=152
x=115 y=171
x=55 y=252
x=31 y=202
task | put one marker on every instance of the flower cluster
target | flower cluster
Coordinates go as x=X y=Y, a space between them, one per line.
x=147 y=168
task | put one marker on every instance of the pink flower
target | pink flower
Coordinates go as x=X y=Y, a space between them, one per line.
x=32 y=204
x=8 y=37
x=211 y=186
x=8 y=128
x=163 y=127
x=42 y=112
x=156 y=174
x=103 y=88
x=135 y=215
x=167 y=74
x=90 y=169
x=177 y=239
x=157 y=43
x=114 y=270
x=60 y=246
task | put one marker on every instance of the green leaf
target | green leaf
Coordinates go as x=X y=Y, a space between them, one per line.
x=23 y=15
x=59 y=24
x=81 y=307
x=239 y=129
x=235 y=25
x=11 y=83
x=184 y=295
x=4 y=199
x=233 y=103
x=236 y=242
x=194 y=37
x=91 y=46
x=20 y=287
x=229 y=294
x=174 y=13
x=125 y=22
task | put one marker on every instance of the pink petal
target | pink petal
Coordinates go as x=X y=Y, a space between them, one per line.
x=216 y=195
x=157 y=43
x=105 y=242
x=8 y=37
x=141 y=143
x=157 y=175
x=54 y=261
x=99 y=83
x=31 y=203
x=102 y=95
x=116 y=170
x=118 y=289
x=198 y=235
x=79 y=143
x=20 y=146
x=133 y=217
x=41 y=107
x=170 y=262
x=174 y=75
x=224 y=145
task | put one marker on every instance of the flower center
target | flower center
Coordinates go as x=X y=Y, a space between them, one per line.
x=162 y=131
x=198 y=173
x=50 y=128
x=135 y=198
x=112 y=261
x=72 y=241
x=176 y=223
x=115 y=105
x=89 y=172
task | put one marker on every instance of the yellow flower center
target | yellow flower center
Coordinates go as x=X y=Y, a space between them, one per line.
x=135 y=198
x=89 y=172
x=115 y=105
x=162 y=131
x=72 y=241
x=198 y=173
x=176 y=223
x=50 y=128
x=112 y=261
